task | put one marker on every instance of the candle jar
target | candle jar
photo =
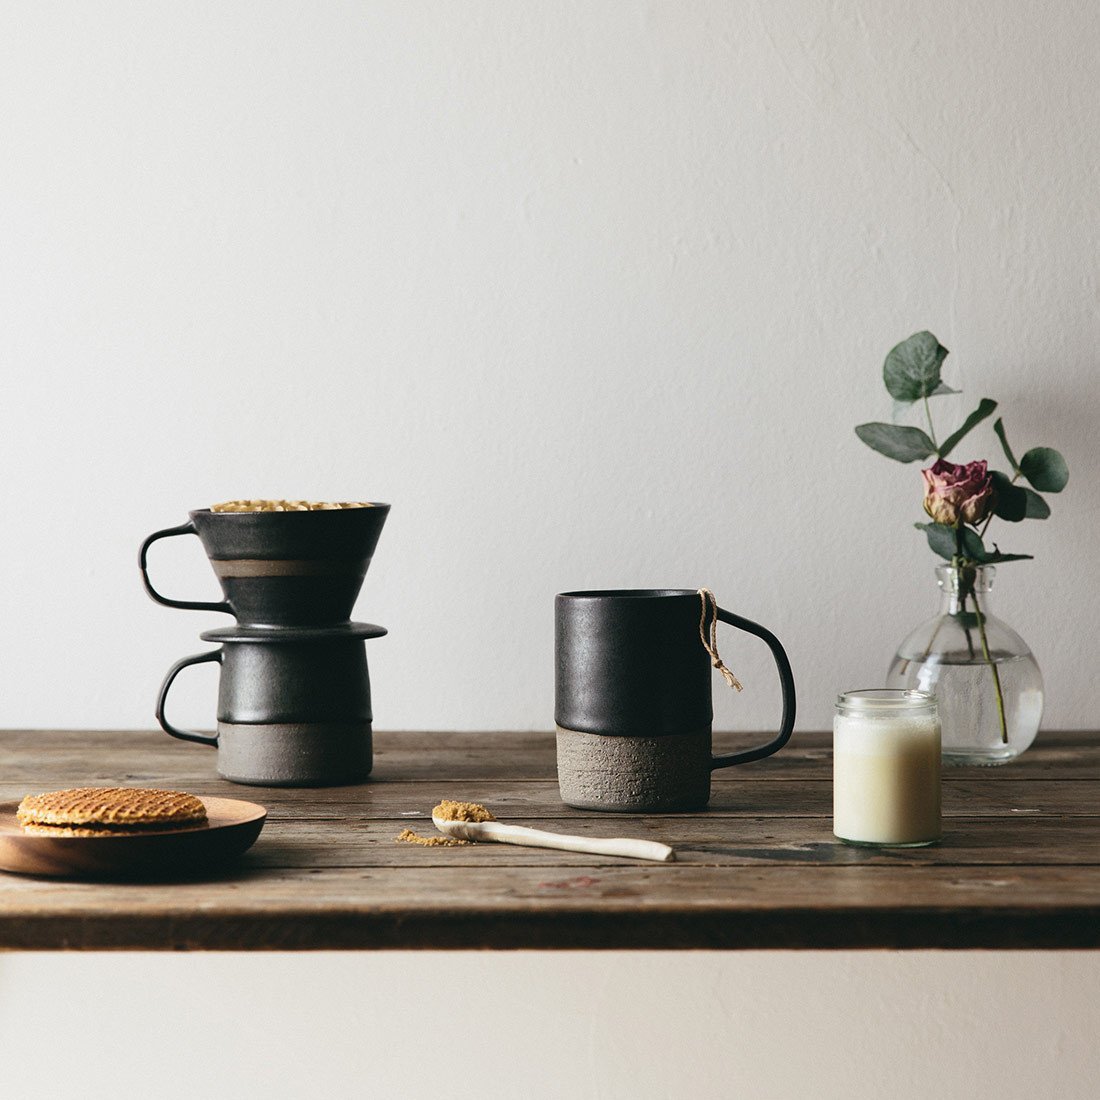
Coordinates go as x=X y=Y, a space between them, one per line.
x=886 y=768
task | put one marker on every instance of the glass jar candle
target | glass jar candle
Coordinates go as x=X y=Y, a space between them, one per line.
x=886 y=768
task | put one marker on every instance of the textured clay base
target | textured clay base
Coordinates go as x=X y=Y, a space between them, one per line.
x=320 y=754
x=634 y=774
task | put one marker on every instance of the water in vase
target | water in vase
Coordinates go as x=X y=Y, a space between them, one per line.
x=969 y=713
x=954 y=654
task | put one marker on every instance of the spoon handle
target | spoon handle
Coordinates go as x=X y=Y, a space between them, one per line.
x=537 y=838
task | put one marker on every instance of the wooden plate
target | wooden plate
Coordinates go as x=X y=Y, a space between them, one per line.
x=232 y=827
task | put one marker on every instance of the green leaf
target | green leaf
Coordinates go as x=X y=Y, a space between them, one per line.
x=912 y=369
x=941 y=538
x=985 y=408
x=944 y=541
x=1037 y=508
x=974 y=548
x=1046 y=469
x=999 y=428
x=899 y=443
x=972 y=545
x=966 y=619
x=943 y=388
x=1009 y=501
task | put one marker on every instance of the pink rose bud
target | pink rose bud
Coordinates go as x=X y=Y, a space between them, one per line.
x=957 y=494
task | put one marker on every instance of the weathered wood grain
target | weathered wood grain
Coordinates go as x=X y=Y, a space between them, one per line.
x=611 y=907
x=1019 y=865
x=524 y=800
x=416 y=756
x=713 y=841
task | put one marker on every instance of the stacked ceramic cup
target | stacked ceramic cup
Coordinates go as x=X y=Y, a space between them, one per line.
x=294 y=704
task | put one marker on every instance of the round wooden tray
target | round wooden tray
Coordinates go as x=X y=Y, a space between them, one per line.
x=232 y=828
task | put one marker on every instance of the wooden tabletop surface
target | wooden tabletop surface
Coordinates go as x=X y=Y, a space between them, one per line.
x=1019 y=866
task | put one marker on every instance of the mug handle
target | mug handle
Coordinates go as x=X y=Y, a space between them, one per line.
x=187 y=528
x=786 y=683
x=173 y=672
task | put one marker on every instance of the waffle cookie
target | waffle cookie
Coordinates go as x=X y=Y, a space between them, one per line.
x=109 y=811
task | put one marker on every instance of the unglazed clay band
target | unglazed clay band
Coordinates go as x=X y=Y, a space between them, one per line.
x=261 y=567
x=295 y=754
x=634 y=774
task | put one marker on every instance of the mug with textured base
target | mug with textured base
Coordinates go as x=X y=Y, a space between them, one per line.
x=633 y=698
x=294 y=706
x=281 y=568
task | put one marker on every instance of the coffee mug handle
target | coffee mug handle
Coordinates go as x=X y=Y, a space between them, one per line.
x=173 y=672
x=187 y=528
x=786 y=683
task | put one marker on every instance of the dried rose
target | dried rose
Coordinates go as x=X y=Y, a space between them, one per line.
x=957 y=494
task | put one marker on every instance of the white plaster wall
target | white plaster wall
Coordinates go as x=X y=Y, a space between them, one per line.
x=594 y=294
x=572 y=1026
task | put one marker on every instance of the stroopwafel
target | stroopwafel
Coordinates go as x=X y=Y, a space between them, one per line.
x=99 y=811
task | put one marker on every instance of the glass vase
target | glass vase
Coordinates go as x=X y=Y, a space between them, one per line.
x=989 y=688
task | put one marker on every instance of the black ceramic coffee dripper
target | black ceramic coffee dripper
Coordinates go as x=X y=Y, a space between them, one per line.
x=281 y=568
x=294 y=703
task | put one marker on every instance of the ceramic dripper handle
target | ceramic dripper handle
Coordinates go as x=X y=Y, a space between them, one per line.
x=786 y=683
x=187 y=528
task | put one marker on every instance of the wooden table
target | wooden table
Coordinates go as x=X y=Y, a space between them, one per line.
x=1019 y=866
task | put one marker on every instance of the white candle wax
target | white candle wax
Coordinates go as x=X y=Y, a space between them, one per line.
x=886 y=775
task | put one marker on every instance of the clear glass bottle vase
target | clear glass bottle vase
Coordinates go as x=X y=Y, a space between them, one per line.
x=989 y=688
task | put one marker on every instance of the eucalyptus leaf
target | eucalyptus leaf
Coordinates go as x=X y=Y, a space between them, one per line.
x=966 y=619
x=972 y=545
x=1046 y=469
x=1037 y=508
x=941 y=538
x=974 y=548
x=945 y=541
x=897 y=442
x=985 y=408
x=997 y=557
x=912 y=369
x=1009 y=501
x=999 y=428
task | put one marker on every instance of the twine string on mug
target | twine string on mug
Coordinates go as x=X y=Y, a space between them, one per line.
x=710 y=608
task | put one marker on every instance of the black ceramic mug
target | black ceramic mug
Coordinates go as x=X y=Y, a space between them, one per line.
x=294 y=706
x=633 y=699
x=281 y=568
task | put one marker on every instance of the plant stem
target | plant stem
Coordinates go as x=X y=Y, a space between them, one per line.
x=932 y=640
x=931 y=430
x=966 y=574
x=966 y=588
x=993 y=666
